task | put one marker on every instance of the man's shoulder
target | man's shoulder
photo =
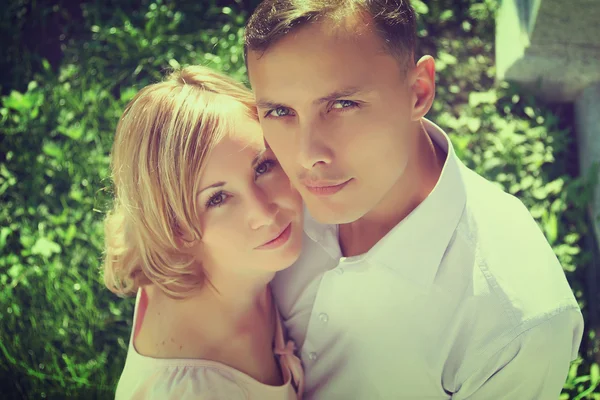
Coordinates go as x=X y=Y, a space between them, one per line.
x=512 y=281
x=512 y=259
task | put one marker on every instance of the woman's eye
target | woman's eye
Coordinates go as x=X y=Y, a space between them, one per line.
x=339 y=104
x=216 y=200
x=278 y=112
x=264 y=167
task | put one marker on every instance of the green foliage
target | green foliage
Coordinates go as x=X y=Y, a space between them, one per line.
x=62 y=333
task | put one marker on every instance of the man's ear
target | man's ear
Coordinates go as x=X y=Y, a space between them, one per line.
x=422 y=81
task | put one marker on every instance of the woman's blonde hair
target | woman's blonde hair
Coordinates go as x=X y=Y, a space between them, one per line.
x=161 y=145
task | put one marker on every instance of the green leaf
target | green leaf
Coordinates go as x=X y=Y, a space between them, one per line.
x=446 y=15
x=529 y=111
x=15 y=270
x=447 y=58
x=128 y=93
x=74 y=131
x=595 y=374
x=52 y=149
x=571 y=238
x=420 y=7
x=4 y=232
x=18 y=101
x=551 y=228
x=474 y=124
x=573 y=371
x=70 y=234
x=16 y=309
x=477 y=98
x=45 y=247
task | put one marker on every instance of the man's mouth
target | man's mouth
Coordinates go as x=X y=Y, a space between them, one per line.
x=325 y=188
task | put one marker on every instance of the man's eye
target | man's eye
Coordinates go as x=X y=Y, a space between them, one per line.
x=278 y=112
x=339 y=104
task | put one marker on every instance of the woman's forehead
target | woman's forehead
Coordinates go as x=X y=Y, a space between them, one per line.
x=233 y=153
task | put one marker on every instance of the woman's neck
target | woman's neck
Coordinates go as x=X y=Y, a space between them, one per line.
x=238 y=296
x=233 y=306
x=228 y=321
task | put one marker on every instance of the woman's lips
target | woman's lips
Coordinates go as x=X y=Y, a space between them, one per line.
x=279 y=240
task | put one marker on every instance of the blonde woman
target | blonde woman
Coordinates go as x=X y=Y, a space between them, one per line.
x=203 y=218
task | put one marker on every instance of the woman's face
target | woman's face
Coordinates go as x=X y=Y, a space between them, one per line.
x=251 y=217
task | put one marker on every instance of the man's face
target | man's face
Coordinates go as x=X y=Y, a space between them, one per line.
x=337 y=110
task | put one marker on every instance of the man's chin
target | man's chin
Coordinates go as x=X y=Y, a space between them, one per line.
x=332 y=214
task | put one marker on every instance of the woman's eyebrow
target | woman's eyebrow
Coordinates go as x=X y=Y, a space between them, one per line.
x=214 y=185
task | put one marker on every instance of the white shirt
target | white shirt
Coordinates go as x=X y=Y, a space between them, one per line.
x=463 y=299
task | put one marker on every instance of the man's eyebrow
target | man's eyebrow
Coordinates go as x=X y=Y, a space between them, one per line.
x=338 y=94
x=268 y=104
x=335 y=95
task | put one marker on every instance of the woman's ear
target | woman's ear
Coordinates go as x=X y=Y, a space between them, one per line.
x=186 y=241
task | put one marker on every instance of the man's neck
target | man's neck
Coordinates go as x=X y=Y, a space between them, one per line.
x=415 y=184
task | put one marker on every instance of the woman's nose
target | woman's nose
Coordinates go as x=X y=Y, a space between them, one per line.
x=262 y=209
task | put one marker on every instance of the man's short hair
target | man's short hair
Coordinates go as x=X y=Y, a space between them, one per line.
x=394 y=21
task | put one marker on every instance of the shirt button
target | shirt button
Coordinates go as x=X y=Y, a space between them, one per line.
x=312 y=356
x=323 y=317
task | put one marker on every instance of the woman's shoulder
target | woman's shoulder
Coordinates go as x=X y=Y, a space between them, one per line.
x=179 y=381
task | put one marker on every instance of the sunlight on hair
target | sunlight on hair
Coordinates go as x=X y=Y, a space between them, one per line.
x=161 y=145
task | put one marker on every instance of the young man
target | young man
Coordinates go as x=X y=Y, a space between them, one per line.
x=418 y=278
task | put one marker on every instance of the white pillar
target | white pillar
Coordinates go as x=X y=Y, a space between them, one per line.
x=587 y=119
x=551 y=47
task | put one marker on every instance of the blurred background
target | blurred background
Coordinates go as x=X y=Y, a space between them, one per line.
x=68 y=69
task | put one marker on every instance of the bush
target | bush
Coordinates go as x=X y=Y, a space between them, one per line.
x=62 y=333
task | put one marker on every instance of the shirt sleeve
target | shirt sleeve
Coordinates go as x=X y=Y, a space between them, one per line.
x=534 y=365
x=187 y=383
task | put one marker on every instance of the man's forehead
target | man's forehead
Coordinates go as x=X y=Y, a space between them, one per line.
x=313 y=82
x=350 y=29
x=304 y=52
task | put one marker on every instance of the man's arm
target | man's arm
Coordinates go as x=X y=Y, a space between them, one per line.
x=533 y=366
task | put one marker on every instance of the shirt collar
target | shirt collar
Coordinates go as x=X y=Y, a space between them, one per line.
x=416 y=245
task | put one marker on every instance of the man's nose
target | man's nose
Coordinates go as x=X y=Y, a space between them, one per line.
x=312 y=149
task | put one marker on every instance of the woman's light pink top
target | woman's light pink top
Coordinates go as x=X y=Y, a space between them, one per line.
x=164 y=379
